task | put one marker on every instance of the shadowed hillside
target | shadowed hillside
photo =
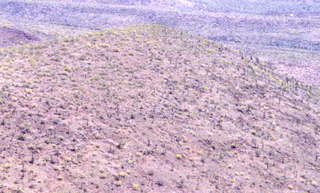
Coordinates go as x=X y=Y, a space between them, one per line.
x=11 y=37
x=151 y=109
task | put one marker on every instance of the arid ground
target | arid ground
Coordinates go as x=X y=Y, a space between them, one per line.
x=283 y=33
x=151 y=109
x=150 y=96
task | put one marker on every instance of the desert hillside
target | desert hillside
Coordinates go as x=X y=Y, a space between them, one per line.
x=285 y=33
x=151 y=109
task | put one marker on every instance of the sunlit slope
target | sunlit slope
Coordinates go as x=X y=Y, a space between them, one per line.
x=151 y=109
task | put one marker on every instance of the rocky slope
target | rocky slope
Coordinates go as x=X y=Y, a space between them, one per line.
x=284 y=33
x=151 y=109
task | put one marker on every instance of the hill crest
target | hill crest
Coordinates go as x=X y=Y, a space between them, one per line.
x=151 y=109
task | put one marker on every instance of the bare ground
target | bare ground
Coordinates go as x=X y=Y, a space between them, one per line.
x=150 y=109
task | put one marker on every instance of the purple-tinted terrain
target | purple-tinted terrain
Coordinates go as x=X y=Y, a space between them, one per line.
x=284 y=34
x=159 y=96
x=11 y=36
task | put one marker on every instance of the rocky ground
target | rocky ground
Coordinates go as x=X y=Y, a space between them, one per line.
x=285 y=34
x=151 y=109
